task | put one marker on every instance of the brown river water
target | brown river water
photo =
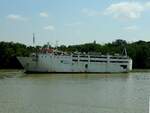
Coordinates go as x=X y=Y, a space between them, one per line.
x=74 y=93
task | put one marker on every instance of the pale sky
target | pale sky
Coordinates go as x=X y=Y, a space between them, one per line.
x=74 y=21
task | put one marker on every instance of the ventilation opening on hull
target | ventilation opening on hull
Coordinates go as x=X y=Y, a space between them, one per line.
x=86 y=66
x=124 y=66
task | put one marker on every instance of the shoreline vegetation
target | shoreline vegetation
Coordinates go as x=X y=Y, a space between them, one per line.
x=139 y=51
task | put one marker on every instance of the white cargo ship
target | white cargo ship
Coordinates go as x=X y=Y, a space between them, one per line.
x=56 y=61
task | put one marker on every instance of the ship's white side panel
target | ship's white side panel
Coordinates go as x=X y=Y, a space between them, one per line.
x=115 y=68
x=30 y=64
x=60 y=63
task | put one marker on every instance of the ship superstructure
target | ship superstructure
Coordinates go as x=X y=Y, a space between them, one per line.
x=57 y=61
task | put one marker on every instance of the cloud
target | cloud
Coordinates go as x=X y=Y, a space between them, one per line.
x=73 y=24
x=49 y=28
x=16 y=17
x=44 y=14
x=90 y=12
x=131 y=28
x=127 y=10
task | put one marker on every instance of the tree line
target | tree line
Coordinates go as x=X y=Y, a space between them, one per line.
x=139 y=51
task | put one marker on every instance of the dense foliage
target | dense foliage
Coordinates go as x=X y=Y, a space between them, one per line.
x=9 y=51
x=139 y=51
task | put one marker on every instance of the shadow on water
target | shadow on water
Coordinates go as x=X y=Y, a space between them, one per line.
x=11 y=74
x=77 y=76
x=21 y=74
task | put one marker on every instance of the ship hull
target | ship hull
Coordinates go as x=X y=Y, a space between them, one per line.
x=65 y=64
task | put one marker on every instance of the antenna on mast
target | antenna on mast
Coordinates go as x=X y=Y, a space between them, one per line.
x=56 y=46
x=33 y=39
x=48 y=45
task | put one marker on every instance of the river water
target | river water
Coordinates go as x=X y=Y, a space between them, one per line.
x=74 y=93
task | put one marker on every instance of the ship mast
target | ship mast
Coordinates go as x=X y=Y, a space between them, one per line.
x=33 y=40
x=36 y=53
x=124 y=52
